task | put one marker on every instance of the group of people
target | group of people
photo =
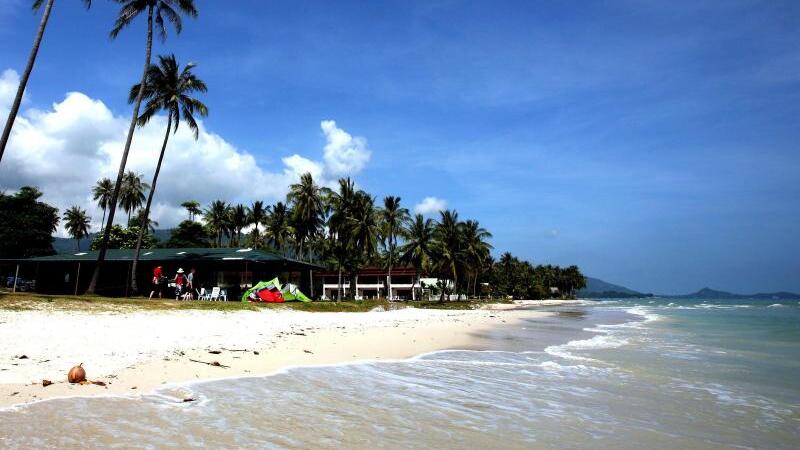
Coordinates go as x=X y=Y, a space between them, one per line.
x=184 y=283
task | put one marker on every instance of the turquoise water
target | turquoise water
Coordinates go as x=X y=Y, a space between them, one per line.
x=615 y=374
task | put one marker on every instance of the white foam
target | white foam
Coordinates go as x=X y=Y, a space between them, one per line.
x=775 y=305
x=600 y=341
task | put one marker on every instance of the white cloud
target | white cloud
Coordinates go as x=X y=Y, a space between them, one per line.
x=9 y=81
x=430 y=205
x=344 y=154
x=64 y=151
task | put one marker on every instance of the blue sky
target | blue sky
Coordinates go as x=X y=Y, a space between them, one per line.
x=654 y=144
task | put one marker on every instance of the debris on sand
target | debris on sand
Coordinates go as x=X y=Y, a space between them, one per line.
x=46 y=383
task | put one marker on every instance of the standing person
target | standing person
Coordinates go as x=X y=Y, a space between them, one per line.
x=157 y=274
x=190 y=285
x=180 y=282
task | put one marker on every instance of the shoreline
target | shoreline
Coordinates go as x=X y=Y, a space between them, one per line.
x=250 y=344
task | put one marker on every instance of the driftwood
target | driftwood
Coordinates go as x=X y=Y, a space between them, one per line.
x=235 y=349
x=212 y=363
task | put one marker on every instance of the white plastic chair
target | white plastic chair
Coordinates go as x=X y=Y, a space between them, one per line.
x=202 y=294
x=223 y=295
x=214 y=297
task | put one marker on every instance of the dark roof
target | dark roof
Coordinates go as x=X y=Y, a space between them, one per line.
x=177 y=255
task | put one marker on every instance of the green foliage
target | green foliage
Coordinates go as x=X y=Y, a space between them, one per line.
x=521 y=280
x=26 y=224
x=188 y=234
x=77 y=224
x=124 y=238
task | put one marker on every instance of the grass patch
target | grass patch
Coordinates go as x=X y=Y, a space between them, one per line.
x=30 y=301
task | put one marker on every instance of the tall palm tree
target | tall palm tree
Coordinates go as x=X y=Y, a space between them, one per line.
x=258 y=213
x=216 y=219
x=340 y=204
x=448 y=247
x=77 y=224
x=23 y=82
x=238 y=219
x=101 y=193
x=193 y=208
x=364 y=230
x=278 y=229
x=168 y=89
x=308 y=208
x=476 y=250
x=418 y=248
x=132 y=196
x=156 y=11
x=392 y=218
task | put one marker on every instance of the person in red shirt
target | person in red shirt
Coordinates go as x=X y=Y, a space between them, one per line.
x=157 y=274
x=180 y=281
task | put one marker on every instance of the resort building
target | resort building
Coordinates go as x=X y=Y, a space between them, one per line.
x=373 y=282
x=232 y=269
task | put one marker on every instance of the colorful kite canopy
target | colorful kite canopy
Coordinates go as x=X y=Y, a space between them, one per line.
x=272 y=292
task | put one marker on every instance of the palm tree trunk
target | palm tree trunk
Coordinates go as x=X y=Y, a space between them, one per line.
x=23 y=82
x=102 y=222
x=339 y=293
x=144 y=225
x=114 y=195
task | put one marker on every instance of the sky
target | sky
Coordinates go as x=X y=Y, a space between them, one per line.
x=654 y=144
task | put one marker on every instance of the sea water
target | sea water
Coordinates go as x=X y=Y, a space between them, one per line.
x=614 y=374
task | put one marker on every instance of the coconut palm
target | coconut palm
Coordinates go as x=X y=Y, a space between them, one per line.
x=156 y=11
x=23 y=82
x=340 y=204
x=101 y=193
x=168 y=88
x=476 y=250
x=193 y=208
x=278 y=230
x=448 y=247
x=258 y=213
x=77 y=224
x=132 y=196
x=392 y=218
x=364 y=229
x=308 y=208
x=216 y=216
x=238 y=217
x=418 y=248
x=139 y=219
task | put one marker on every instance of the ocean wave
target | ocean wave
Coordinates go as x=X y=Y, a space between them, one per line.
x=601 y=341
x=775 y=305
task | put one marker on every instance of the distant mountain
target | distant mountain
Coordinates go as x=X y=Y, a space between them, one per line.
x=708 y=293
x=67 y=245
x=596 y=288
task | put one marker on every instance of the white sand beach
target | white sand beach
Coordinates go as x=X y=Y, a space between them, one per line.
x=134 y=352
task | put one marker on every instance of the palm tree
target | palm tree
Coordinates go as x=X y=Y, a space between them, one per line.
x=392 y=218
x=193 y=208
x=216 y=219
x=77 y=224
x=23 y=82
x=139 y=219
x=258 y=213
x=132 y=196
x=418 y=247
x=448 y=247
x=308 y=208
x=156 y=11
x=169 y=89
x=101 y=193
x=278 y=229
x=340 y=204
x=476 y=249
x=364 y=230
x=238 y=219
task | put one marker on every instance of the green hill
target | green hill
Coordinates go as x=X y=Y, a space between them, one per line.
x=596 y=288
